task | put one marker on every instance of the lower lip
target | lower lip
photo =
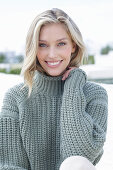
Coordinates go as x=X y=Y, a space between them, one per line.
x=54 y=66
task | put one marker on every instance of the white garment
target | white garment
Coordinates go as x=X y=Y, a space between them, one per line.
x=77 y=163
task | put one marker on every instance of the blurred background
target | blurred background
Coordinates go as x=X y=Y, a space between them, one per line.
x=95 y=21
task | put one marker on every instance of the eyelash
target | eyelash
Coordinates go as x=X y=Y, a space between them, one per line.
x=42 y=45
x=59 y=44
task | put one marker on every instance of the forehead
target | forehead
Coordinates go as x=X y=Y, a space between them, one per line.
x=56 y=30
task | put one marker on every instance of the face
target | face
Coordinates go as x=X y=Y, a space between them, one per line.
x=55 y=48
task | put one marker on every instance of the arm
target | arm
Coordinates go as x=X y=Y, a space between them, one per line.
x=83 y=125
x=12 y=153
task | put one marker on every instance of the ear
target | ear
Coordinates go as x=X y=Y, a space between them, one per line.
x=73 y=47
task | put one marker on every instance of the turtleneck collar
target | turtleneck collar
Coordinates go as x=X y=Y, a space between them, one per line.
x=45 y=84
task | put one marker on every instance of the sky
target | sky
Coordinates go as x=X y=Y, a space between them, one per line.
x=94 y=19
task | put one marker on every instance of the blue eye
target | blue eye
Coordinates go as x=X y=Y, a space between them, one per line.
x=61 y=44
x=42 y=45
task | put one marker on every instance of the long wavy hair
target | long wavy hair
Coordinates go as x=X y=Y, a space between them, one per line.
x=31 y=64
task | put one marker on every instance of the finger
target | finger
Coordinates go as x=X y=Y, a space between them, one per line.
x=65 y=75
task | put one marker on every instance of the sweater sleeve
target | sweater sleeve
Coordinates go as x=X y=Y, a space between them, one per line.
x=12 y=153
x=83 y=120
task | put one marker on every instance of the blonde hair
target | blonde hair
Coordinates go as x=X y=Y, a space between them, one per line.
x=50 y=16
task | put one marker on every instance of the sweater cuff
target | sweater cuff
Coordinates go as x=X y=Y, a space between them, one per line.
x=76 y=79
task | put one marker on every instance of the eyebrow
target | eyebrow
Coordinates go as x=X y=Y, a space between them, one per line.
x=57 y=40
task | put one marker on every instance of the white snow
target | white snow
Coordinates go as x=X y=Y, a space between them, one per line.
x=104 y=60
x=106 y=163
x=95 y=71
x=7 y=81
x=103 y=67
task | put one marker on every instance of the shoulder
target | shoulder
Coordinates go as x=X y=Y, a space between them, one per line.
x=17 y=93
x=12 y=99
x=94 y=91
x=92 y=86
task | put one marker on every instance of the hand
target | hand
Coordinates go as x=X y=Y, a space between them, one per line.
x=66 y=74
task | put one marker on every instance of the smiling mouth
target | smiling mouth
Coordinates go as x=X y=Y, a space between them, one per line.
x=54 y=63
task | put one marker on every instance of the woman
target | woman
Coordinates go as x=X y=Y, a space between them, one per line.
x=57 y=119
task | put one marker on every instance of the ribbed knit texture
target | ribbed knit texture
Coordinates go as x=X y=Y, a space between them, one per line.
x=58 y=120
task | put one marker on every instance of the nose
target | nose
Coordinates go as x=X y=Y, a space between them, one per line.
x=52 y=53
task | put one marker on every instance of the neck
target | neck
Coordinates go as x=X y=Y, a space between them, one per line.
x=46 y=84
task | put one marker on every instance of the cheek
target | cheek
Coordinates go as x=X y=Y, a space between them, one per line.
x=40 y=55
x=67 y=52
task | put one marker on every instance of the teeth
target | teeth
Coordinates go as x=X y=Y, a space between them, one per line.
x=54 y=63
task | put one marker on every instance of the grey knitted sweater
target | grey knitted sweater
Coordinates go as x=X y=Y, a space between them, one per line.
x=59 y=119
